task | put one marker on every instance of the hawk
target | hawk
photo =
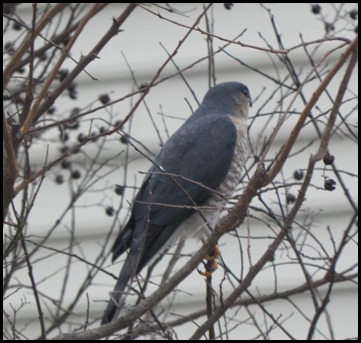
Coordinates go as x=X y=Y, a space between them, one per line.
x=188 y=185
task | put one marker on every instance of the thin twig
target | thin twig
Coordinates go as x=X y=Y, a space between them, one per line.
x=23 y=48
x=33 y=111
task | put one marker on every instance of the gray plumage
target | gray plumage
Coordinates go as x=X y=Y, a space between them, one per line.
x=176 y=198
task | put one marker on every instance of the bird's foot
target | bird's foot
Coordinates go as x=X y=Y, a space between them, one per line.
x=211 y=265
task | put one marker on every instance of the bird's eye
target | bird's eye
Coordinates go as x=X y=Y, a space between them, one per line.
x=246 y=93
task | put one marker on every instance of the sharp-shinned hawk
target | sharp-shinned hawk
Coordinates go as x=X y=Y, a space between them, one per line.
x=188 y=185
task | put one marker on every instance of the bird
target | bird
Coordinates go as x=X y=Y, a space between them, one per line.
x=188 y=185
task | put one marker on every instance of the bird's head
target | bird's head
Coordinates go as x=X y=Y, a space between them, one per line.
x=228 y=98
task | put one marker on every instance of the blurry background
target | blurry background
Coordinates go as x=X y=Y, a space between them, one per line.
x=78 y=206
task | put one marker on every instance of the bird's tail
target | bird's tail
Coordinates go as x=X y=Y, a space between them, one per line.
x=114 y=302
x=130 y=268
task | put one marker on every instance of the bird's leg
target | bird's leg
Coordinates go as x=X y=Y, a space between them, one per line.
x=211 y=265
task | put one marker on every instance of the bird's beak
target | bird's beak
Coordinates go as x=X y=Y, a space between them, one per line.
x=249 y=101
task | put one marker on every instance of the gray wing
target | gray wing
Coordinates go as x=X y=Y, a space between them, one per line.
x=201 y=151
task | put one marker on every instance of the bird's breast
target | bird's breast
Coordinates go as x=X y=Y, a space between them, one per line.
x=202 y=222
x=231 y=181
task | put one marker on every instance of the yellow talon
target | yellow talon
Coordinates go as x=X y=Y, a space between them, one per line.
x=211 y=264
x=214 y=254
x=205 y=273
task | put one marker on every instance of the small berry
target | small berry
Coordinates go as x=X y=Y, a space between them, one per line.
x=51 y=110
x=109 y=211
x=291 y=198
x=59 y=179
x=76 y=174
x=228 y=5
x=65 y=164
x=104 y=98
x=298 y=174
x=63 y=73
x=18 y=27
x=81 y=137
x=330 y=184
x=354 y=14
x=328 y=159
x=119 y=189
x=124 y=139
x=316 y=9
